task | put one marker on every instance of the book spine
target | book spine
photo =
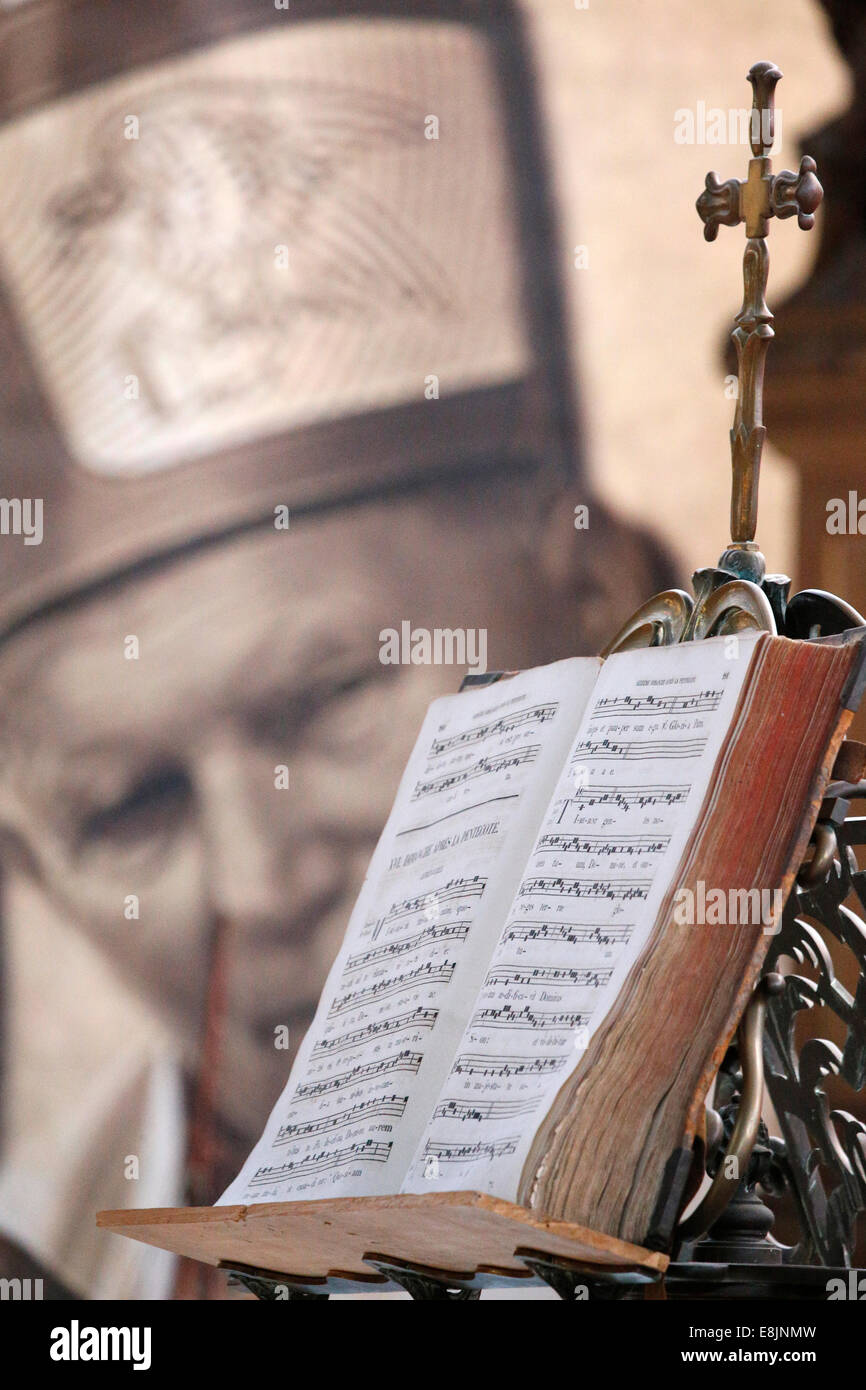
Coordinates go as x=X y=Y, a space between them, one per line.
x=666 y=1213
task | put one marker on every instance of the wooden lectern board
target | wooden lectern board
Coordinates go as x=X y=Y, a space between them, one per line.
x=453 y=1232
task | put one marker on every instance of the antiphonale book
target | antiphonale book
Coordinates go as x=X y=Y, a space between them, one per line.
x=526 y=1003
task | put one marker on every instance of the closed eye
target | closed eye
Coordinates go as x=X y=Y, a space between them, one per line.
x=153 y=805
x=281 y=719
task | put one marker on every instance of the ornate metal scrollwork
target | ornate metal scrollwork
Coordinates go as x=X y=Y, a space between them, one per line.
x=722 y=604
x=725 y=603
x=745 y=1116
x=825 y=1145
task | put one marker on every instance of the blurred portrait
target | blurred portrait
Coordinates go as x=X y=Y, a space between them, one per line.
x=285 y=367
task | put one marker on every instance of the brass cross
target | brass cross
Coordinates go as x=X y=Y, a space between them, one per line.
x=754 y=201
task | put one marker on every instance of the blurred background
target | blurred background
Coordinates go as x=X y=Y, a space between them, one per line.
x=650 y=313
x=314 y=320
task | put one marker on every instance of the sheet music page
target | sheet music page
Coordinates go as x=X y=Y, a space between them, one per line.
x=419 y=939
x=611 y=839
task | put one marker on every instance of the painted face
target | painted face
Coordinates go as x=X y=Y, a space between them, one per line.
x=148 y=734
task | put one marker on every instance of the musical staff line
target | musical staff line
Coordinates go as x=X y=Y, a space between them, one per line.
x=538 y=714
x=640 y=749
x=626 y=889
x=626 y=798
x=482 y=1110
x=385 y=1106
x=452 y=891
x=705 y=701
x=621 y=845
x=426 y=974
x=535 y=1020
x=499 y=762
x=470 y=1153
x=344 y=1042
x=569 y=933
x=566 y=977
x=446 y=931
x=405 y=1061
x=366 y=1152
x=481 y=1064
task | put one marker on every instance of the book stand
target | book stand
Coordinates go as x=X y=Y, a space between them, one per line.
x=451 y=1246
x=438 y=1244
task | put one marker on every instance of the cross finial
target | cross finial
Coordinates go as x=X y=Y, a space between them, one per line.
x=755 y=200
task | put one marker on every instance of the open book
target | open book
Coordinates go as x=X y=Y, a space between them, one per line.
x=558 y=933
